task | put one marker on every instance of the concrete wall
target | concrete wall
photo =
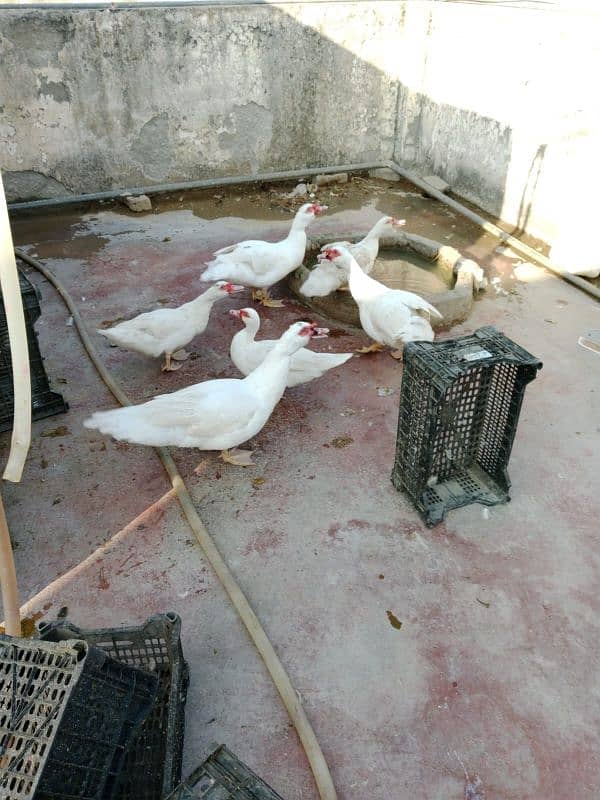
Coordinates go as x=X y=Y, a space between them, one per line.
x=502 y=102
x=498 y=99
x=97 y=99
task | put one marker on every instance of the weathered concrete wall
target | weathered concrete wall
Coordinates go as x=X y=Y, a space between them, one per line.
x=96 y=99
x=502 y=102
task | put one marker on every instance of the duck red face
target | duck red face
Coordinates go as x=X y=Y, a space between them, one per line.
x=329 y=254
x=239 y=313
x=312 y=330
x=316 y=209
x=231 y=288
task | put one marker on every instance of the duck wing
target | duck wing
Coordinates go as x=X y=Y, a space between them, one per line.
x=232 y=247
x=414 y=302
x=194 y=416
x=259 y=257
x=224 y=402
x=306 y=365
x=387 y=315
x=145 y=332
x=322 y=280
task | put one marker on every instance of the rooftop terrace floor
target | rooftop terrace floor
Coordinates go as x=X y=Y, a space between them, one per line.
x=495 y=665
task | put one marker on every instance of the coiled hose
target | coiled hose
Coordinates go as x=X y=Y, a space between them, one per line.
x=274 y=666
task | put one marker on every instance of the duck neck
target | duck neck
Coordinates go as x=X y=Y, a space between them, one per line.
x=362 y=286
x=270 y=377
x=375 y=232
x=201 y=303
x=299 y=225
x=250 y=330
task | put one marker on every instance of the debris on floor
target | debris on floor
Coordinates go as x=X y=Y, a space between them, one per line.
x=437 y=183
x=384 y=174
x=138 y=203
x=331 y=179
x=325 y=517
x=591 y=341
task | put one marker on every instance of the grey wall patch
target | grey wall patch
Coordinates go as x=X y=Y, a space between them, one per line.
x=57 y=91
x=248 y=133
x=31 y=185
x=152 y=147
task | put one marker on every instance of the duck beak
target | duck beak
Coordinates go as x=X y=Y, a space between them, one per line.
x=318 y=209
x=235 y=312
x=232 y=288
x=320 y=333
x=398 y=223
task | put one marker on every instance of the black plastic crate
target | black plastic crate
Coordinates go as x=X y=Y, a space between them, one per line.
x=459 y=408
x=67 y=715
x=152 y=766
x=222 y=776
x=44 y=402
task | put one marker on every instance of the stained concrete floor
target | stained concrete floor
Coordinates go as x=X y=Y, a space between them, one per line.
x=495 y=665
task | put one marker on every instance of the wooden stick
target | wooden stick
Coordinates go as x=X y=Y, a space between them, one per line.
x=17 y=334
x=8 y=579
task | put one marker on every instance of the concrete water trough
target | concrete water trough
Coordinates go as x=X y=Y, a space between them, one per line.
x=435 y=271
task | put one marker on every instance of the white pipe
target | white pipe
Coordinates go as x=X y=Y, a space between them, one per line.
x=17 y=334
x=505 y=237
x=8 y=579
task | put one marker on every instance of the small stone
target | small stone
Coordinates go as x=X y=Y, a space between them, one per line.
x=328 y=180
x=340 y=441
x=503 y=250
x=301 y=190
x=384 y=174
x=437 y=183
x=138 y=203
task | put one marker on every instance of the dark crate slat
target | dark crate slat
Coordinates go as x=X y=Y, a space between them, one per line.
x=460 y=402
x=222 y=776
x=67 y=715
x=44 y=402
x=152 y=763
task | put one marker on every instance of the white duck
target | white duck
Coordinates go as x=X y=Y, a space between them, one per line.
x=327 y=277
x=261 y=264
x=389 y=316
x=246 y=353
x=213 y=415
x=168 y=330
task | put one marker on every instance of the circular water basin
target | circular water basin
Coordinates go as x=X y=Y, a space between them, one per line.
x=436 y=272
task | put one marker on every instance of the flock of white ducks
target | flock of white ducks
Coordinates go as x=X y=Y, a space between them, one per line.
x=222 y=414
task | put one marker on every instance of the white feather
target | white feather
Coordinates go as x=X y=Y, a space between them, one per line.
x=246 y=353
x=213 y=415
x=261 y=264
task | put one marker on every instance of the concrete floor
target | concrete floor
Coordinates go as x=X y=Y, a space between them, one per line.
x=495 y=665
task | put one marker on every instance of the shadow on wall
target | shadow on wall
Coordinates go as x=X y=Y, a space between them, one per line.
x=470 y=151
x=103 y=99
x=531 y=184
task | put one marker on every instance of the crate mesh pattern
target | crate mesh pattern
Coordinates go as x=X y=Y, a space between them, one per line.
x=44 y=402
x=460 y=402
x=152 y=763
x=67 y=715
x=222 y=776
